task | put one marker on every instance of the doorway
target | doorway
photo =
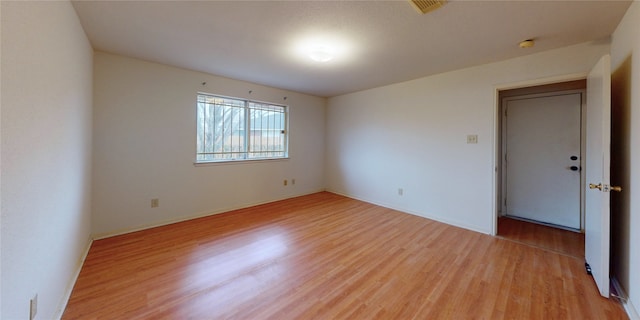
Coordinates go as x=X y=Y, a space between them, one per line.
x=541 y=156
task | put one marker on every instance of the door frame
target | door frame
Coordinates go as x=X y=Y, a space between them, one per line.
x=503 y=142
x=497 y=138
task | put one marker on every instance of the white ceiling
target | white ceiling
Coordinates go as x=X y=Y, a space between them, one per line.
x=382 y=42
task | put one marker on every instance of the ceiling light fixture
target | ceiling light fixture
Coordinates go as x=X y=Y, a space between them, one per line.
x=320 y=55
x=320 y=49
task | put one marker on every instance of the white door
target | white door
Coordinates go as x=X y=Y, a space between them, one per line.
x=542 y=146
x=597 y=173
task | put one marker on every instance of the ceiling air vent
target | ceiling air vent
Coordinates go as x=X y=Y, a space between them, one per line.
x=424 y=6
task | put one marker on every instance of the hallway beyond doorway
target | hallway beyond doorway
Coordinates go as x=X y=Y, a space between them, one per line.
x=541 y=236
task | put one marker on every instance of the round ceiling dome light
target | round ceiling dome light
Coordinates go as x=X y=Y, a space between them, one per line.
x=527 y=43
x=320 y=55
x=319 y=49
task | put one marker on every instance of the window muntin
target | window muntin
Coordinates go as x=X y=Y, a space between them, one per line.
x=230 y=129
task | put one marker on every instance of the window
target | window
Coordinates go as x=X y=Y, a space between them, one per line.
x=231 y=129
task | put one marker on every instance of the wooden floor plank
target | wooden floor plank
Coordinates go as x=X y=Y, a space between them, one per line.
x=324 y=256
x=546 y=237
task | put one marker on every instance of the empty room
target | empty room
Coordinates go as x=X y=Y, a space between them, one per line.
x=319 y=159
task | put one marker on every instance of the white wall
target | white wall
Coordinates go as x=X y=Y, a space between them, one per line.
x=412 y=135
x=144 y=143
x=0 y=163
x=46 y=154
x=625 y=60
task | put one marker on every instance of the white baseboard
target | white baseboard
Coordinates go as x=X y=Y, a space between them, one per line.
x=67 y=294
x=419 y=214
x=631 y=310
x=198 y=215
x=625 y=301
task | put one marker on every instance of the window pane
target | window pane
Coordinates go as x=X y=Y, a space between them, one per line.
x=233 y=129
x=267 y=131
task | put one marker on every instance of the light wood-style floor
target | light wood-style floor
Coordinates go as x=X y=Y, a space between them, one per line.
x=545 y=237
x=324 y=256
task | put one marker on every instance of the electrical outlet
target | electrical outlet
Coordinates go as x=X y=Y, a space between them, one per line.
x=400 y=191
x=155 y=202
x=472 y=139
x=293 y=181
x=33 y=307
x=285 y=182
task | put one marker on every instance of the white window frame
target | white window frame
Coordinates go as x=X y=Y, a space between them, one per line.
x=245 y=155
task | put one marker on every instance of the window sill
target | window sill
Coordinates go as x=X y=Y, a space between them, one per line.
x=228 y=162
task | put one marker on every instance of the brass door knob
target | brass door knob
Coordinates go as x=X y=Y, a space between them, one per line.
x=605 y=188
